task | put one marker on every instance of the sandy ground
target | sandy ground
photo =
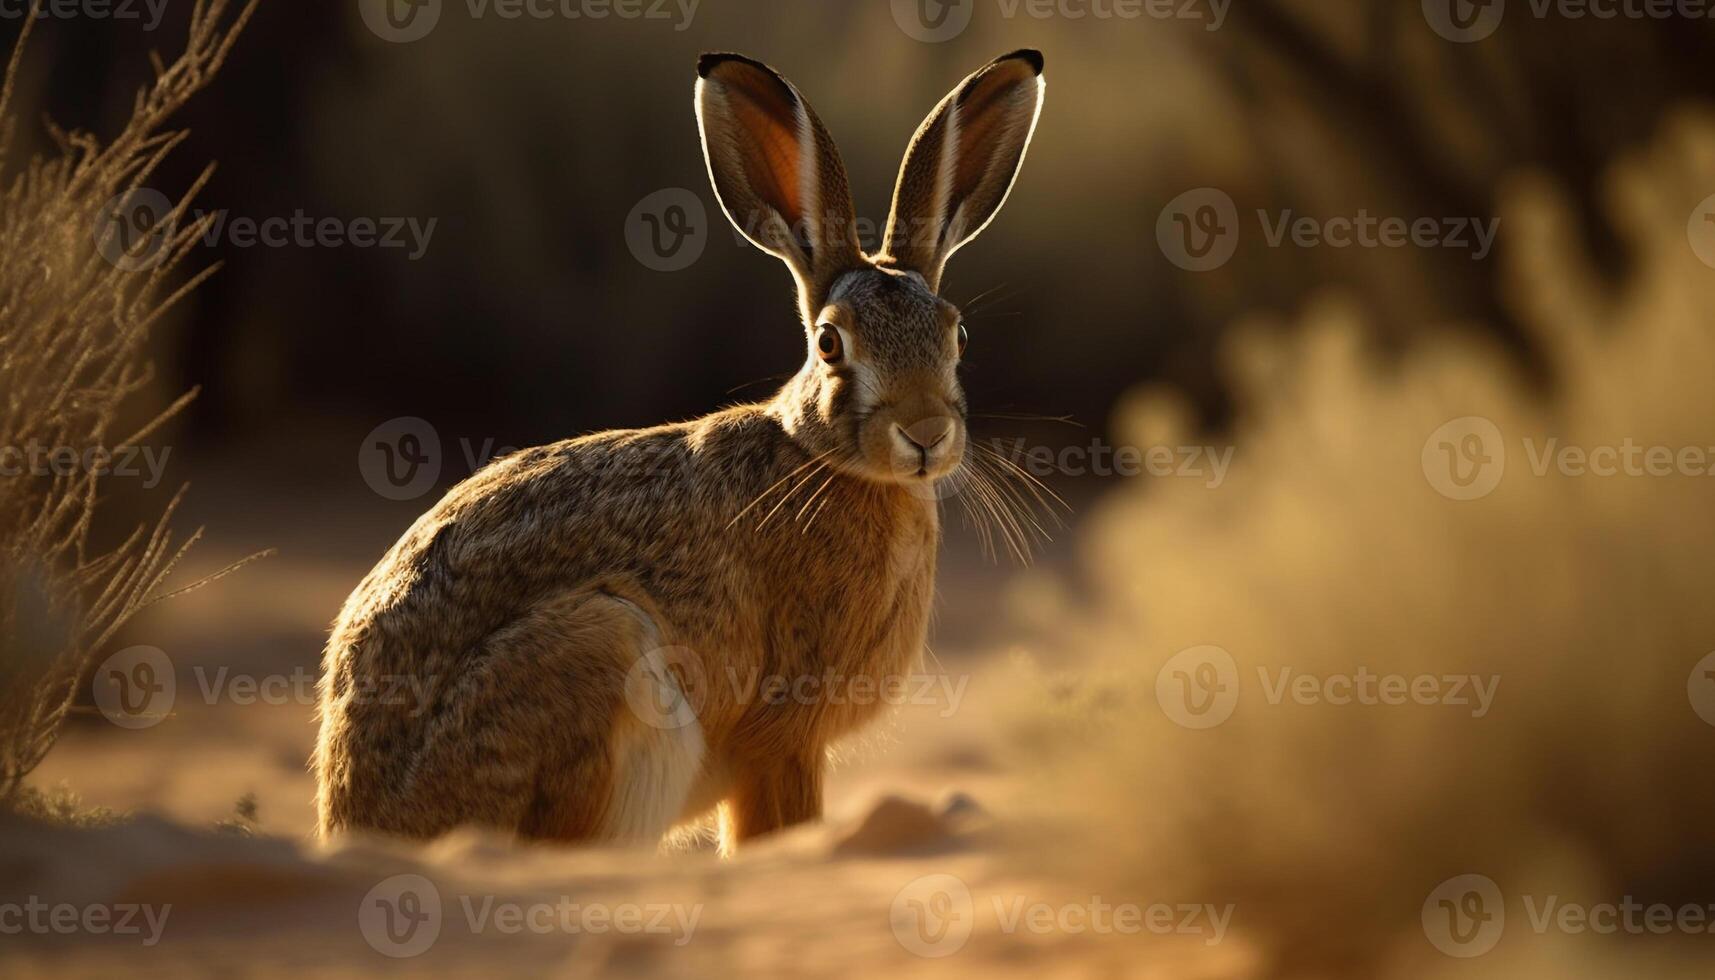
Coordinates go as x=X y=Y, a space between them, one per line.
x=907 y=876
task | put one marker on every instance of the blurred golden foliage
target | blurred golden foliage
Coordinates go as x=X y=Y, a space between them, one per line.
x=1581 y=600
x=75 y=312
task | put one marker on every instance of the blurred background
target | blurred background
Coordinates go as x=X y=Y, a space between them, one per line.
x=514 y=155
x=1301 y=237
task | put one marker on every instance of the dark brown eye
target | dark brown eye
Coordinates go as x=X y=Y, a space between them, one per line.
x=964 y=339
x=828 y=344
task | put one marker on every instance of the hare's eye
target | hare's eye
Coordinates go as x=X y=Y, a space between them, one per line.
x=828 y=344
x=964 y=338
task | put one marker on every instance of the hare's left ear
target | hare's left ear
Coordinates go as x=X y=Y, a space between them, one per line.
x=962 y=162
x=777 y=173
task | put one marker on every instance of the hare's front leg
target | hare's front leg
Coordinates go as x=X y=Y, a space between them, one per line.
x=772 y=795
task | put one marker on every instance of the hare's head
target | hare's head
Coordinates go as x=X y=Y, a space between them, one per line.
x=879 y=390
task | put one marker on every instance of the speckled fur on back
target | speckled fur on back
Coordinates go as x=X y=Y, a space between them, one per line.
x=571 y=644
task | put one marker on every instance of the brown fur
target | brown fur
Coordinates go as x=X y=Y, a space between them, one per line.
x=791 y=538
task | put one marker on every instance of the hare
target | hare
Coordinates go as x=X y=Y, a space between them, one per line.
x=589 y=628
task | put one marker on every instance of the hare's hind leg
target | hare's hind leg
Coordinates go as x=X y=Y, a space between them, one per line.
x=633 y=786
x=547 y=735
x=771 y=797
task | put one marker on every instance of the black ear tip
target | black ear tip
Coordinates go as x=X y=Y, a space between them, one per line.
x=1030 y=56
x=711 y=60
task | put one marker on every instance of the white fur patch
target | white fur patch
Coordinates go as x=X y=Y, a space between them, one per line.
x=656 y=760
x=654 y=771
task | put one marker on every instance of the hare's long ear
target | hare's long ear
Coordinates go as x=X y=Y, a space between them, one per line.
x=776 y=172
x=962 y=162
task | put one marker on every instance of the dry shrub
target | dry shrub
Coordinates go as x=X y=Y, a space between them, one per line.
x=1327 y=550
x=73 y=328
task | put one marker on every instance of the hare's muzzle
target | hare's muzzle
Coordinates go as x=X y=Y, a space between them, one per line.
x=926 y=449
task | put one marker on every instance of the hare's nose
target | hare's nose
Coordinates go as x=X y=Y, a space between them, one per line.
x=925 y=434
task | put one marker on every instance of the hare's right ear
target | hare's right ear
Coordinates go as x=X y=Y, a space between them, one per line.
x=962 y=162
x=776 y=172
